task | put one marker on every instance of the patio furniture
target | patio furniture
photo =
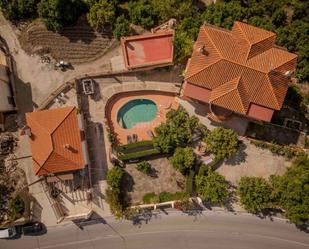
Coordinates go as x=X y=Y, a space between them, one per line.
x=88 y=86
x=129 y=139
x=150 y=134
x=135 y=138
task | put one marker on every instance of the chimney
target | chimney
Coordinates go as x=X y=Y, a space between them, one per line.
x=202 y=50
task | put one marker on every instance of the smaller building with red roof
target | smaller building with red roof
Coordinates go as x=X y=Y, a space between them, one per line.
x=240 y=71
x=57 y=141
x=149 y=50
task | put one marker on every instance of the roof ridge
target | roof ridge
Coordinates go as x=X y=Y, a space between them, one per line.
x=212 y=42
x=227 y=92
x=72 y=108
x=272 y=90
x=204 y=68
x=55 y=153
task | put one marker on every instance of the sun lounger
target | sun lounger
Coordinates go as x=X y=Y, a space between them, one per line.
x=150 y=134
x=135 y=138
x=129 y=139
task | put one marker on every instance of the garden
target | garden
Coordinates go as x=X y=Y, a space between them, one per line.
x=176 y=173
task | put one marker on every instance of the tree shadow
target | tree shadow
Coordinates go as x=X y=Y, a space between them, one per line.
x=128 y=182
x=97 y=92
x=83 y=32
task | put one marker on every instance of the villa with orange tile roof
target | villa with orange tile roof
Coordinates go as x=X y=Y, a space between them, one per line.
x=240 y=71
x=57 y=141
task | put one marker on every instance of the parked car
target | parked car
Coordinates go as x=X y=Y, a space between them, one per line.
x=33 y=228
x=6 y=233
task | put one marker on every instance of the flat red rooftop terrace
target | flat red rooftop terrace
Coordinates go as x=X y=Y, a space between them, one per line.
x=148 y=50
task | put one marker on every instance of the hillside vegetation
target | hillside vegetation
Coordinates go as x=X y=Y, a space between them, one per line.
x=289 y=19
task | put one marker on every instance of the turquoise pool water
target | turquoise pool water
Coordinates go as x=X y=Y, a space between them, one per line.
x=136 y=111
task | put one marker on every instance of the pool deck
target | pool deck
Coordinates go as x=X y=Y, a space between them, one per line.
x=164 y=101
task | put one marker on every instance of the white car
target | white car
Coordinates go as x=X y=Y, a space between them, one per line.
x=7 y=233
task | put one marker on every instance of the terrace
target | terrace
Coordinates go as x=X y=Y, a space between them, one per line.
x=128 y=114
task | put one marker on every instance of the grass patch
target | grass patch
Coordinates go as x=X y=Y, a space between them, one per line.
x=139 y=154
x=150 y=198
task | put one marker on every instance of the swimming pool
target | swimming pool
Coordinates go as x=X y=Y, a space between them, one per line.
x=136 y=111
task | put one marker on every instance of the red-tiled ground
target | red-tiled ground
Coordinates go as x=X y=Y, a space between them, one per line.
x=164 y=102
x=148 y=49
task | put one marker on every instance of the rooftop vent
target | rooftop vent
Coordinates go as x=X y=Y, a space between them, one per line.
x=202 y=50
x=288 y=73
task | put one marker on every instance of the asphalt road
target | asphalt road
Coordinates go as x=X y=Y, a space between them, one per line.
x=210 y=230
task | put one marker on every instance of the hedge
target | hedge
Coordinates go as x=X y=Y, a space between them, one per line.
x=189 y=182
x=138 y=154
x=281 y=150
x=123 y=148
x=163 y=197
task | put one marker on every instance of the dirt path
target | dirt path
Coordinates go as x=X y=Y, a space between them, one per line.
x=42 y=77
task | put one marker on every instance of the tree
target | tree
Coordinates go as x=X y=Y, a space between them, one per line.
x=183 y=159
x=144 y=167
x=255 y=193
x=177 y=131
x=223 y=143
x=178 y=9
x=183 y=47
x=211 y=186
x=16 y=208
x=279 y=18
x=114 y=177
x=15 y=10
x=100 y=14
x=224 y=14
x=122 y=27
x=291 y=191
x=142 y=13
x=58 y=13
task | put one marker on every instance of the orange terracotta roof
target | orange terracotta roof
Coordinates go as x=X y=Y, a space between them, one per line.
x=240 y=67
x=55 y=140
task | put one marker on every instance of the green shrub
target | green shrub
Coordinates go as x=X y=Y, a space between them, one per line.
x=114 y=177
x=116 y=206
x=144 y=167
x=150 y=198
x=16 y=207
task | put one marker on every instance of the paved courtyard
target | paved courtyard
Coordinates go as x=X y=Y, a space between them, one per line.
x=252 y=161
x=166 y=179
